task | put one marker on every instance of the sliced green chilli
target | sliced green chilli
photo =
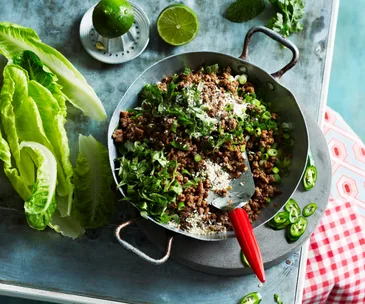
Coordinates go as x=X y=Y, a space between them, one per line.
x=280 y=221
x=310 y=177
x=244 y=260
x=251 y=298
x=292 y=204
x=293 y=215
x=309 y=209
x=297 y=229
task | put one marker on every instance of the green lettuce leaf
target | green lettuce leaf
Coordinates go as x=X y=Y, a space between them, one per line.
x=22 y=121
x=67 y=226
x=53 y=124
x=94 y=203
x=41 y=205
x=15 y=38
x=11 y=172
x=39 y=72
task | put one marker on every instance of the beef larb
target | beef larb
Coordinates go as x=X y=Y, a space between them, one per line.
x=187 y=138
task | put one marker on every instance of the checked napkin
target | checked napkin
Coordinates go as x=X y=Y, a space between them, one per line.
x=336 y=258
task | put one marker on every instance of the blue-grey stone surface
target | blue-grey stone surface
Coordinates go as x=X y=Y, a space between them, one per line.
x=95 y=265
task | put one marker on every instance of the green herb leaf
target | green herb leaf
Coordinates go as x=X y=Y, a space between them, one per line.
x=287 y=19
x=180 y=146
x=211 y=68
x=187 y=71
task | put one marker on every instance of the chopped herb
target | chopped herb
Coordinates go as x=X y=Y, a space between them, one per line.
x=288 y=15
x=180 y=146
x=187 y=71
x=208 y=69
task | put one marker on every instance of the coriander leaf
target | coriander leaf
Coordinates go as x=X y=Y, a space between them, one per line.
x=211 y=68
x=288 y=14
x=180 y=146
x=187 y=71
x=244 y=10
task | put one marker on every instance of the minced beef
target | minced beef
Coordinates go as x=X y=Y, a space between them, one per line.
x=158 y=131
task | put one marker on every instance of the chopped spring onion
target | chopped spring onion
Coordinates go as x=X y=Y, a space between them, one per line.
x=242 y=79
x=256 y=102
x=249 y=129
x=285 y=126
x=286 y=162
x=258 y=131
x=230 y=78
x=275 y=170
x=197 y=157
x=266 y=115
x=272 y=152
x=277 y=178
x=180 y=206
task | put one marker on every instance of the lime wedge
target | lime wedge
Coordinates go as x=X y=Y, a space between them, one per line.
x=177 y=24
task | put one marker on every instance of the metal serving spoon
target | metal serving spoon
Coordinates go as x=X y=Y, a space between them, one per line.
x=242 y=190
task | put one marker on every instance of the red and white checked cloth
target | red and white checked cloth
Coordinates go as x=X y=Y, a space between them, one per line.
x=336 y=257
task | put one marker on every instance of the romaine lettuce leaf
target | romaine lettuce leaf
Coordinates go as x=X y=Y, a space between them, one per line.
x=67 y=226
x=41 y=205
x=15 y=38
x=21 y=121
x=94 y=203
x=11 y=172
x=53 y=124
x=39 y=72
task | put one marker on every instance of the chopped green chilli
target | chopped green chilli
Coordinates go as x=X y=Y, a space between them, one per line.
x=292 y=219
x=280 y=221
x=277 y=299
x=292 y=204
x=309 y=209
x=293 y=215
x=310 y=177
x=251 y=298
x=297 y=229
x=244 y=260
x=310 y=173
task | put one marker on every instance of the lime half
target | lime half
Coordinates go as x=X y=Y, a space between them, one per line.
x=113 y=18
x=177 y=24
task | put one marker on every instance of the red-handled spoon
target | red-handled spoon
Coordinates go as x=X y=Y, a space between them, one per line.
x=247 y=240
x=242 y=190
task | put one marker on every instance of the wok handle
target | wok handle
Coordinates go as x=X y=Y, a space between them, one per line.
x=273 y=35
x=138 y=252
x=247 y=240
